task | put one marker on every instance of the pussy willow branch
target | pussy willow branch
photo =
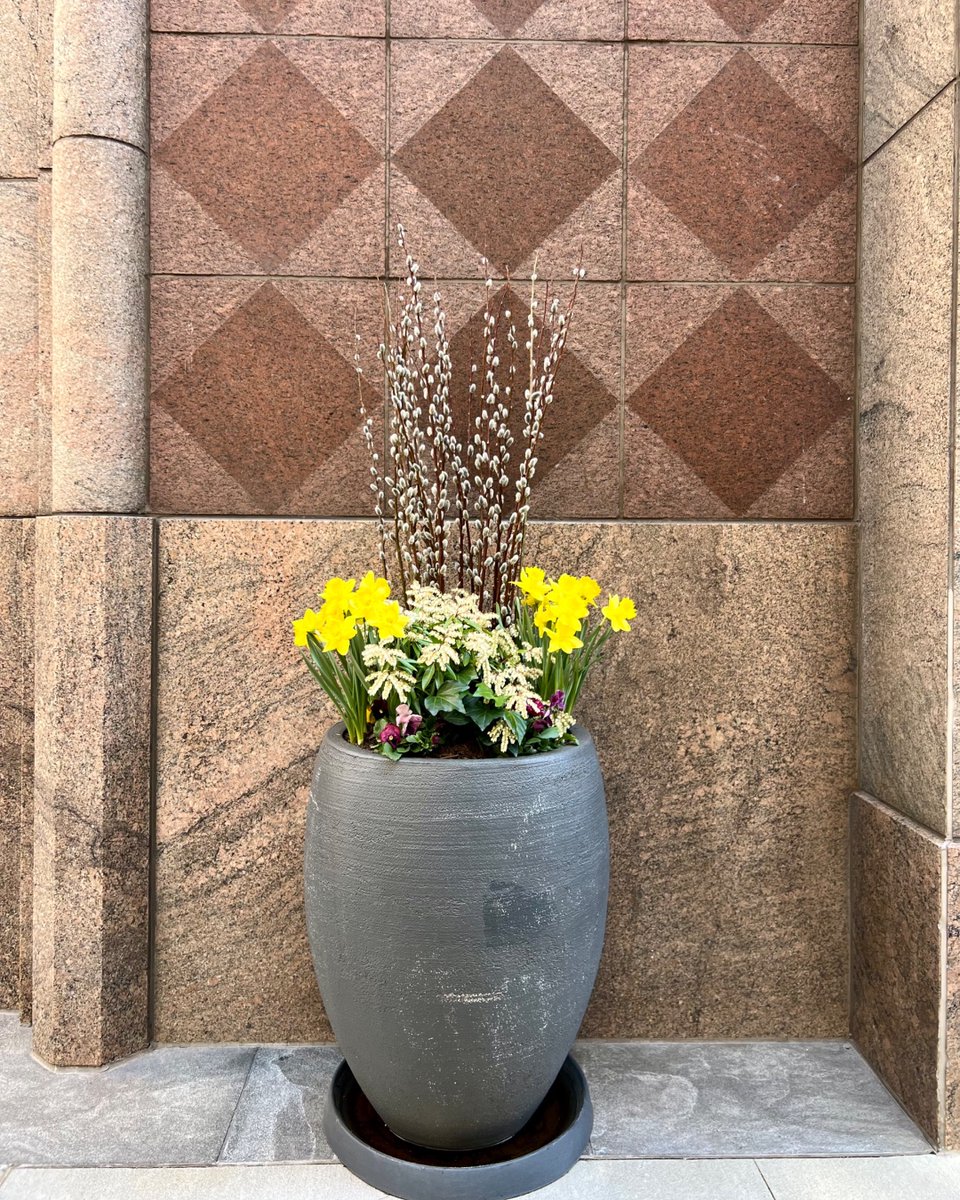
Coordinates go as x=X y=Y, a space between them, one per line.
x=432 y=479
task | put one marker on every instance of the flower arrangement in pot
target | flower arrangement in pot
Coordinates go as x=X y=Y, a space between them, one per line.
x=457 y=859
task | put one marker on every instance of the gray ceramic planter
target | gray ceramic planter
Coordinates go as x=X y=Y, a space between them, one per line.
x=456 y=914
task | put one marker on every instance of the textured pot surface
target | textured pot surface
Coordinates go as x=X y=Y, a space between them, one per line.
x=456 y=914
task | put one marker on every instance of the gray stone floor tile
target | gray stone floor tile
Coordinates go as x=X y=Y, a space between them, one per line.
x=280 y=1112
x=934 y=1177
x=172 y=1104
x=587 y=1181
x=749 y=1099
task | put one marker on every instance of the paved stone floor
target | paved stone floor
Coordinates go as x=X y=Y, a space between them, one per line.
x=673 y=1121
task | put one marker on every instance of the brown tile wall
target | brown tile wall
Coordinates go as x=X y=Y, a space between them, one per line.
x=703 y=155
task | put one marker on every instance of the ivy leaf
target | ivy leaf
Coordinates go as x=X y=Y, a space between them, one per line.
x=479 y=713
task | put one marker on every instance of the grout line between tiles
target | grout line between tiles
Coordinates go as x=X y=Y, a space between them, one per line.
x=236 y=1108
x=493 y=39
x=766 y=1182
x=844 y=284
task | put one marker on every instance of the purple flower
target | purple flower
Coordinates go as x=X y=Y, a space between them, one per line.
x=536 y=707
x=408 y=720
x=540 y=725
x=391 y=734
x=558 y=701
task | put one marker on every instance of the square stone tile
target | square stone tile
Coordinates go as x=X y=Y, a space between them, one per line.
x=255 y=399
x=171 y=1104
x=280 y=1114
x=908 y=56
x=267 y=155
x=765 y=429
x=742 y=163
x=896 y=877
x=744 y=20
x=509 y=150
x=934 y=1177
x=581 y=20
x=347 y=18
x=904 y=451
x=730 y=1100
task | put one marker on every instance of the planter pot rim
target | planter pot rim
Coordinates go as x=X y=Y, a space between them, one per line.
x=334 y=737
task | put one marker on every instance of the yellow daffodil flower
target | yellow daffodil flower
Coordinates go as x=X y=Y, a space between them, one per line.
x=338 y=592
x=388 y=620
x=304 y=625
x=534 y=585
x=543 y=616
x=589 y=588
x=563 y=636
x=370 y=594
x=337 y=633
x=619 y=613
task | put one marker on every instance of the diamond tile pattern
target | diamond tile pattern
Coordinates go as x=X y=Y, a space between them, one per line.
x=750 y=400
x=473 y=160
x=745 y=15
x=291 y=136
x=768 y=165
x=729 y=395
x=266 y=397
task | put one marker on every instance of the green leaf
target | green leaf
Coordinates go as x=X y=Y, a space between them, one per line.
x=448 y=698
x=479 y=713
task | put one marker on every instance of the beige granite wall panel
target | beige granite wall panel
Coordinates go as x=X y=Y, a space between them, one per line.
x=100 y=69
x=725 y=724
x=44 y=340
x=18 y=89
x=908 y=54
x=44 y=154
x=896 y=880
x=99 y=328
x=91 y=852
x=905 y=347
x=951 y=1139
x=16 y=735
x=18 y=346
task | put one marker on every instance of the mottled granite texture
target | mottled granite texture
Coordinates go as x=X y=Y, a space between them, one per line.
x=460 y=110
x=100 y=56
x=345 y=18
x=742 y=162
x=744 y=20
x=18 y=89
x=16 y=741
x=99 y=326
x=895 y=903
x=951 y=1139
x=908 y=56
x=905 y=339
x=91 y=852
x=239 y=720
x=297 y=186
x=726 y=789
x=18 y=346
x=536 y=19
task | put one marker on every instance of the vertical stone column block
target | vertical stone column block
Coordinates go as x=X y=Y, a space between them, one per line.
x=92 y=798
x=18 y=346
x=16 y=739
x=99 y=327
